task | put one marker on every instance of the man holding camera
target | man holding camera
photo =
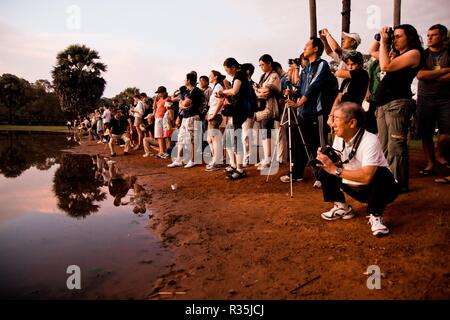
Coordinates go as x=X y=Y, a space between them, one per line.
x=350 y=42
x=314 y=103
x=360 y=170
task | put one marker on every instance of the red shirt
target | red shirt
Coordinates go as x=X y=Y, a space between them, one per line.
x=160 y=109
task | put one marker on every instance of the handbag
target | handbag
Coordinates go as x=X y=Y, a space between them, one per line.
x=265 y=114
x=228 y=110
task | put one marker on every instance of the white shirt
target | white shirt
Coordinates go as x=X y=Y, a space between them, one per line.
x=213 y=101
x=106 y=116
x=139 y=110
x=369 y=153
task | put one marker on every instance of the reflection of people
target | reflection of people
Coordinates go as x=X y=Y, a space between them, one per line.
x=139 y=199
x=119 y=184
x=364 y=173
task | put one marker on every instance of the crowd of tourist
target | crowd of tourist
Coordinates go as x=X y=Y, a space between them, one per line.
x=363 y=110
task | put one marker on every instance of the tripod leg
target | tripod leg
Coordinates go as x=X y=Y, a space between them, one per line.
x=290 y=152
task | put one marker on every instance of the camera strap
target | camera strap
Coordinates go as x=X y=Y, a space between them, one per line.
x=355 y=146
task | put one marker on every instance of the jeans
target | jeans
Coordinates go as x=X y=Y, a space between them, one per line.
x=378 y=194
x=393 y=123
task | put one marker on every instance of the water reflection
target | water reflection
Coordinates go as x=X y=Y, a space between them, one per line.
x=20 y=151
x=78 y=181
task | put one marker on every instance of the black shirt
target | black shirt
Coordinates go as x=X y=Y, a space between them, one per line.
x=196 y=96
x=118 y=127
x=355 y=88
x=396 y=85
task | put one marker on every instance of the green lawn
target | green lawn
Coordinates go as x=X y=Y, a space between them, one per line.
x=33 y=128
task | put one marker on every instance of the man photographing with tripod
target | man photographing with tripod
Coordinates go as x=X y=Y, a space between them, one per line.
x=359 y=169
x=314 y=102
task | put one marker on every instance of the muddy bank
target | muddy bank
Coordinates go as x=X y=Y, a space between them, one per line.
x=248 y=239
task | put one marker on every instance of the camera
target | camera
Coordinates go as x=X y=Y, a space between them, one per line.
x=390 y=33
x=294 y=61
x=331 y=153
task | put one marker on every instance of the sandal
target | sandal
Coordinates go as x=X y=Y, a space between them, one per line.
x=237 y=175
x=443 y=180
x=229 y=170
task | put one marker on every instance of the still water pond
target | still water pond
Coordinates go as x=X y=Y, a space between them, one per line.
x=59 y=210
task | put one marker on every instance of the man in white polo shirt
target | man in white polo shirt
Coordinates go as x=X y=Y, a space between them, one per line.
x=362 y=172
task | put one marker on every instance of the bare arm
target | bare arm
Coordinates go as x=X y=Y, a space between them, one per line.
x=343 y=74
x=363 y=175
x=432 y=74
x=444 y=77
x=333 y=43
x=374 y=50
x=234 y=90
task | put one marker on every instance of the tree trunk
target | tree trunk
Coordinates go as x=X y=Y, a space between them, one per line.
x=312 y=18
x=346 y=7
x=397 y=12
x=10 y=116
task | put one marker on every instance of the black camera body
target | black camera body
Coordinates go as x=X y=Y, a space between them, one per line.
x=390 y=33
x=295 y=61
x=330 y=153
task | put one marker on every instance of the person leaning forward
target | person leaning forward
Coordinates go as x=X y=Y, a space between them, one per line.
x=363 y=172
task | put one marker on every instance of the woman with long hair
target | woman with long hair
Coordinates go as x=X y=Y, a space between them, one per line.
x=239 y=94
x=267 y=92
x=395 y=105
x=214 y=119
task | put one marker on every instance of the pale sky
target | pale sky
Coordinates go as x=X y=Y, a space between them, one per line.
x=151 y=43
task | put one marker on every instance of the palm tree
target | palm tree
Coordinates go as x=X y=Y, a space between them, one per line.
x=313 y=18
x=77 y=79
x=397 y=12
x=346 y=7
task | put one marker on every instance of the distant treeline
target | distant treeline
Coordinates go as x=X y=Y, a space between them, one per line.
x=22 y=102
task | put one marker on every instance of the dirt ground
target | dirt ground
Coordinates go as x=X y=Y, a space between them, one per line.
x=248 y=239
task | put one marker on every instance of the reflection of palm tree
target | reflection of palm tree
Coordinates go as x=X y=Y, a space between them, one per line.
x=75 y=186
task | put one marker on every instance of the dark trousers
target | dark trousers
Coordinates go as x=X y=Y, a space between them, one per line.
x=314 y=135
x=378 y=194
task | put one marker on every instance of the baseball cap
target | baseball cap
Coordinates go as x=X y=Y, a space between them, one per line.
x=354 y=36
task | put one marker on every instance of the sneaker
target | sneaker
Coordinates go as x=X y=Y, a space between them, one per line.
x=286 y=179
x=175 y=164
x=377 y=226
x=113 y=154
x=211 y=167
x=317 y=184
x=338 y=212
x=263 y=165
x=190 y=164
x=99 y=142
x=147 y=154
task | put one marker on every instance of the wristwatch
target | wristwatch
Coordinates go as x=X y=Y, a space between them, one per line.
x=339 y=171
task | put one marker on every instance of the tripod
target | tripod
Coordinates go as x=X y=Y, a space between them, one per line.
x=283 y=122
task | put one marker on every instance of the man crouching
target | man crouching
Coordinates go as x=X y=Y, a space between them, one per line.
x=361 y=170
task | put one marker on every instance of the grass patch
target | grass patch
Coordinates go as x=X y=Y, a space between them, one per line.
x=34 y=128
